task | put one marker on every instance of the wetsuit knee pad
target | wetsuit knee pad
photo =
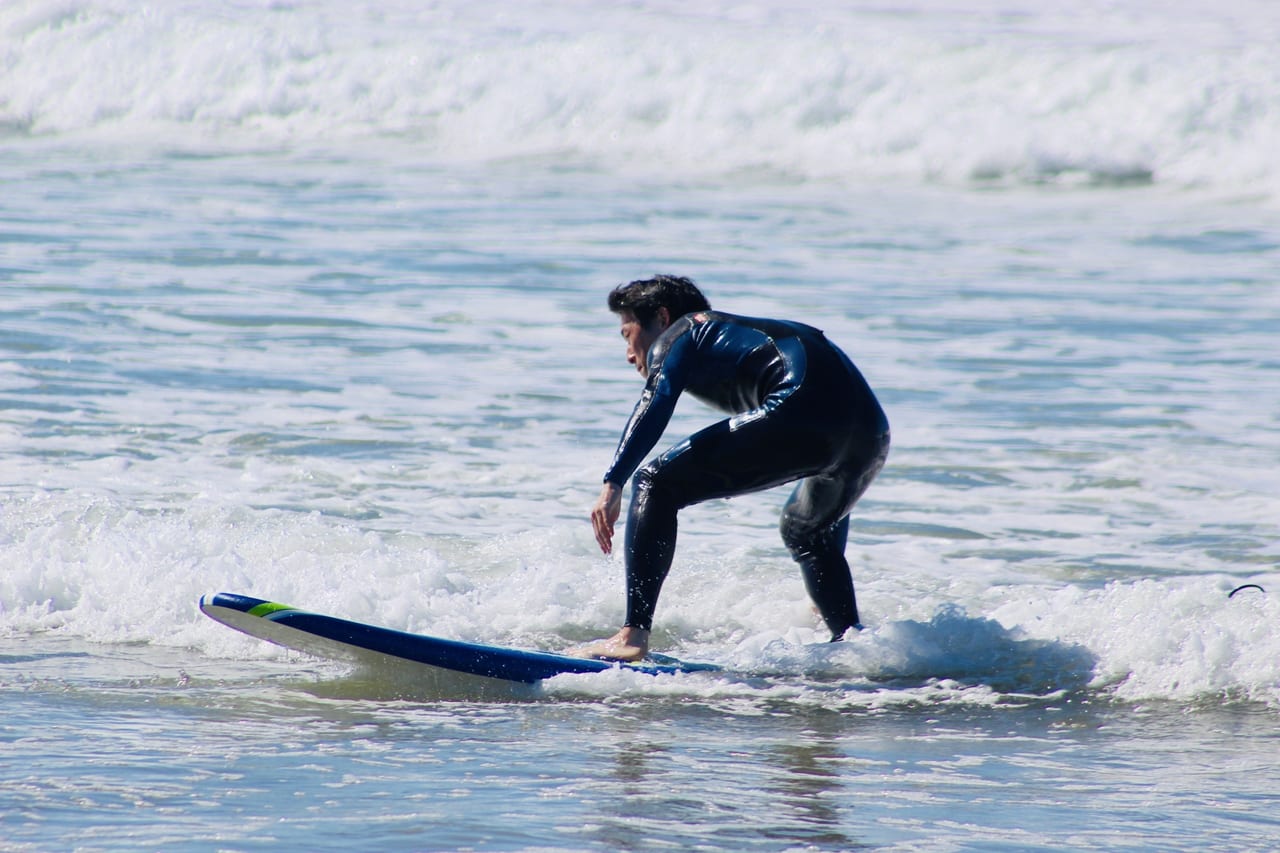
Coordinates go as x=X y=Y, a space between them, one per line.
x=651 y=520
x=646 y=485
x=670 y=482
x=794 y=529
x=802 y=536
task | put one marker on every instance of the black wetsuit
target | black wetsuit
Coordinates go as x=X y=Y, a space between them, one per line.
x=801 y=411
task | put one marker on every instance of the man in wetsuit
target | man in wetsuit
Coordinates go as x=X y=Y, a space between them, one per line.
x=799 y=410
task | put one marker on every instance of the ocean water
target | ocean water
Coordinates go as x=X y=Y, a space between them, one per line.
x=306 y=301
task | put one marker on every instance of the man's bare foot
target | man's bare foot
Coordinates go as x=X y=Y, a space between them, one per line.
x=629 y=644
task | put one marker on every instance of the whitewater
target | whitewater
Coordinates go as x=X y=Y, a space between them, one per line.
x=306 y=302
x=952 y=91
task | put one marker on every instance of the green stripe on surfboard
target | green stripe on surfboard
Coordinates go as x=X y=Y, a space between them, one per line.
x=266 y=608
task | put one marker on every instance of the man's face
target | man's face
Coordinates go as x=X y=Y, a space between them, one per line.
x=639 y=338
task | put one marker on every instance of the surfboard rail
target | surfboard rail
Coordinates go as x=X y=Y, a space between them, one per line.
x=344 y=639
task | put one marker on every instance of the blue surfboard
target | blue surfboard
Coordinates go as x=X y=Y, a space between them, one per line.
x=341 y=639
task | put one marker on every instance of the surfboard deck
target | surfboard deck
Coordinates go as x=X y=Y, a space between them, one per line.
x=342 y=639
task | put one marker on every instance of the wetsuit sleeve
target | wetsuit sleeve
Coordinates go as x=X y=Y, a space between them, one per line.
x=667 y=374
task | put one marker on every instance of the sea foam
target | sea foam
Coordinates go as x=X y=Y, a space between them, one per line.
x=955 y=93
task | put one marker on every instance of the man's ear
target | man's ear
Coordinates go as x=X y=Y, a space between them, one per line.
x=663 y=317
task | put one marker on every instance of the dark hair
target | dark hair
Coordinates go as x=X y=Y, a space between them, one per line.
x=643 y=298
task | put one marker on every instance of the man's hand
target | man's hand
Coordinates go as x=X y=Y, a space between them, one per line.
x=605 y=514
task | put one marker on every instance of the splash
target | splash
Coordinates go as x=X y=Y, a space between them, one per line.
x=956 y=93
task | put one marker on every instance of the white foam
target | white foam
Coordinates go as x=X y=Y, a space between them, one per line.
x=105 y=571
x=1184 y=95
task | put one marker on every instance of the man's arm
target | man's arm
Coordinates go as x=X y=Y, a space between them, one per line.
x=604 y=515
x=668 y=371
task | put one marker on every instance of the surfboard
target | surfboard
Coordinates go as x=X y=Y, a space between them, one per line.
x=341 y=639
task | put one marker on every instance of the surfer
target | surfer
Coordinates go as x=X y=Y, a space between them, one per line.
x=799 y=410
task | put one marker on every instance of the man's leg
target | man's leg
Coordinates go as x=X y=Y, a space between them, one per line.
x=650 y=543
x=717 y=462
x=815 y=528
x=720 y=461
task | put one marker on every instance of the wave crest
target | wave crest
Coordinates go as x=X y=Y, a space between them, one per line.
x=957 y=93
